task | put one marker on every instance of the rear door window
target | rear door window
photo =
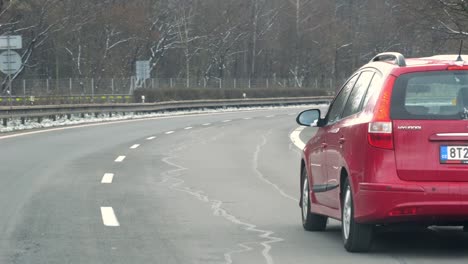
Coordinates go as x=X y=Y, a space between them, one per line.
x=375 y=86
x=354 y=105
x=431 y=95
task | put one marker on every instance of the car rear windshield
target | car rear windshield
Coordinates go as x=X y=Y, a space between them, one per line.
x=431 y=95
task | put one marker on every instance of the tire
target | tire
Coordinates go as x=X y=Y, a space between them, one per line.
x=356 y=237
x=310 y=221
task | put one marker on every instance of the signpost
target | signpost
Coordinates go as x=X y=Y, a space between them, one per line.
x=11 y=42
x=10 y=61
x=142 y=70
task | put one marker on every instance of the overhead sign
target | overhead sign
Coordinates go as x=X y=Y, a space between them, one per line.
x=11 y=42
x=143 y=70
x=10 y=62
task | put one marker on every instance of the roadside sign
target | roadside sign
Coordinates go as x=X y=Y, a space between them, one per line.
x=10 y=62
x=143 y=70
x=11 y=42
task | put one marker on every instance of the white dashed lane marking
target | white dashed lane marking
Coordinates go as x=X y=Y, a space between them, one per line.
x=270 y=116
x=247 y=118
x=150 y=138
x=120 y=158
x=188 y=128
x=225 y=121
x=108 y=217
x=207 y=124
x=170 y=132
x=107 y=178
x=135 y=146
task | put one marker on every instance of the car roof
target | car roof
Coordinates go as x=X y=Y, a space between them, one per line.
x=402 y=65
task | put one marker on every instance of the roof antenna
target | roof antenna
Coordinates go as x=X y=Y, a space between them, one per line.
x=459 y=54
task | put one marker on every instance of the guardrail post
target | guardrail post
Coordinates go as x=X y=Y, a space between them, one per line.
x=204 y=82
x=71 y=85
x=5 y=122
x=24 y=87
x=170 y=82
x=220 y=83
x=235 y=83
x=92 y=89
x=23 y=120
x=39 y=120
x=250 y=84
x=267 y=83
x=47 y=86
x=112 y=86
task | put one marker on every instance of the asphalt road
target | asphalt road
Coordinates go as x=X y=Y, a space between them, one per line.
x=219 y=188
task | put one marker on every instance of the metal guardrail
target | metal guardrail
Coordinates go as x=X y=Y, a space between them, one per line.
x=65 y=99
x=69 y=110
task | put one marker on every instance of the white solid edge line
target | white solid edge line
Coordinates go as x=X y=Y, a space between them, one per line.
x=169 y=132
x=135 y=146
x=107 y=178
x=207 y=124
x=187 y=128
x=120 y=158
x=108 y=217
x=270 y=116
x=247 y=118
x=150 y=138
x=296 y=139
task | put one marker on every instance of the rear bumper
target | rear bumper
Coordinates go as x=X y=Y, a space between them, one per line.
x=430 y=203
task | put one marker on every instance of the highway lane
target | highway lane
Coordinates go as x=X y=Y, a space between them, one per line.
x=197 y=189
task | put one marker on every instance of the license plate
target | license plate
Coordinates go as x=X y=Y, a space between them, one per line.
x=454 y=154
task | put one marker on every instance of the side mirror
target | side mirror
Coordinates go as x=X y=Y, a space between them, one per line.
x=310 y=118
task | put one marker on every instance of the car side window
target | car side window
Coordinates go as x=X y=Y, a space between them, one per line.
x=336 y=108
x=353 y=105
x=374 y=86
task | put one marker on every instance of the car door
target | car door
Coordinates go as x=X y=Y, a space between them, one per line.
x=343 y=135
x=316 y=164
x=330 y=131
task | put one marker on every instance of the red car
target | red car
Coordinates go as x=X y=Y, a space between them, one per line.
x=392 y=149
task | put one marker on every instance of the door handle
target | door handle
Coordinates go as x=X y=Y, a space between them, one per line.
x=324 y=145
x=342 y=140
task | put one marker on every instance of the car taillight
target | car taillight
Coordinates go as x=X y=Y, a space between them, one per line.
x=380 y=132
x=380 y=135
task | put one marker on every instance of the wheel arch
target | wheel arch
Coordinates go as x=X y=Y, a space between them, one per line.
x=301 y=181
x=343 y=176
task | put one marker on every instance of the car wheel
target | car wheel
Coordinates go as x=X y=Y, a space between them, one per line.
x=310 y=221
x=356 y=237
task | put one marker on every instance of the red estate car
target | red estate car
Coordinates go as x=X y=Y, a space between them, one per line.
x=393 y=148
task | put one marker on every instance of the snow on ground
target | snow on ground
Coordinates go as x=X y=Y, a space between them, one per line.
x=15 y=124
